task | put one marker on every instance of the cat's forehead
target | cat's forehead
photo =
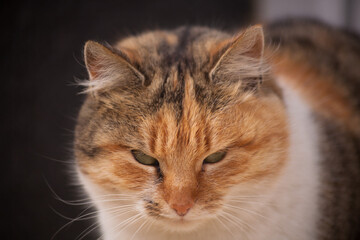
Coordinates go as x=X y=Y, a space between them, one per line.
x=176 y=63
x=185 y=47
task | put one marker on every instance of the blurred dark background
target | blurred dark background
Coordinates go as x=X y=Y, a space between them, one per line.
x=41 y=54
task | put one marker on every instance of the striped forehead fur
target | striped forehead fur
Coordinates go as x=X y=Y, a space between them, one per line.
x=158 y=53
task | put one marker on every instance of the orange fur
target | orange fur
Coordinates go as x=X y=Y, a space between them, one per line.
x=320 y=91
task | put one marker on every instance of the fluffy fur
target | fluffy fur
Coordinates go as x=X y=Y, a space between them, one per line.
x=182 y=95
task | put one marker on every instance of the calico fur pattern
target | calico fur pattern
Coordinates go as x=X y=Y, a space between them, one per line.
x=182 y=95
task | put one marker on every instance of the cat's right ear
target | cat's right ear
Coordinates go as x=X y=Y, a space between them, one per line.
x=240 y=58
x=108 y=69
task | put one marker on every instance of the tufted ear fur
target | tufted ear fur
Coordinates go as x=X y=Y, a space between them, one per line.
x=240 y=58
x=108 y=69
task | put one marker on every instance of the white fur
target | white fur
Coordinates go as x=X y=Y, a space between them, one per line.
x=289 y=211
x=296 y=194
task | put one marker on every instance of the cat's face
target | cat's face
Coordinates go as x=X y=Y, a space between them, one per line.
x=180 y=148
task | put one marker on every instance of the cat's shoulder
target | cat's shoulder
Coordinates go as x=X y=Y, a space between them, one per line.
x=321 y=63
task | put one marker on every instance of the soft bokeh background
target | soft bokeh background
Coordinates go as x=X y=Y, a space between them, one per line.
x=339 y=13
x=41 y=53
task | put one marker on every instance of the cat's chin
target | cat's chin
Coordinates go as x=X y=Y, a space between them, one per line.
x=180 y=224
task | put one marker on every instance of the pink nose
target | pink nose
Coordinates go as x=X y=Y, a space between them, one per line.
x=182 y=208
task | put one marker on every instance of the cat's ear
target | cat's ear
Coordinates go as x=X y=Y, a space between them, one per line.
x=240 y=58
x=107 y=68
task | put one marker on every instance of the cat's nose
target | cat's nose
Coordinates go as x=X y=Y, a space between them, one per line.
x=182 y=208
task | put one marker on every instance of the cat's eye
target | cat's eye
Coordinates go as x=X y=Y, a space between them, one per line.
x=215 y=157
x=144 y=159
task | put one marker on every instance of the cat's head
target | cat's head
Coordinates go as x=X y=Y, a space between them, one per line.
x=179 y=125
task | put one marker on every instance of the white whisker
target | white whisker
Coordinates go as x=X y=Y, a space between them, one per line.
x=248 y=201
x=115 y=211
x=88 y=230
x=115 y=215
x=68 y=218
x=246 y=210
x=241 y=221
x=149 y=226
x=129 y=223
x=237 y=222
x=224 y=225
x=146 y=221
x=103 y=198
x=125 y=222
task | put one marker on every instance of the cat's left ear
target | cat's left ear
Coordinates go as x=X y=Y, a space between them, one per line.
x=108 y=68
x=239 y=58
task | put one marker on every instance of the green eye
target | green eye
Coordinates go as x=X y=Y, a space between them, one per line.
x=215 y=157
x=144 y=159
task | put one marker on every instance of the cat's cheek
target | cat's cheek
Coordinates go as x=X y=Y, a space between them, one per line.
x=115 y=174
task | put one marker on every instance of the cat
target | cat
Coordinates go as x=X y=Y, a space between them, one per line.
x=196 y=133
